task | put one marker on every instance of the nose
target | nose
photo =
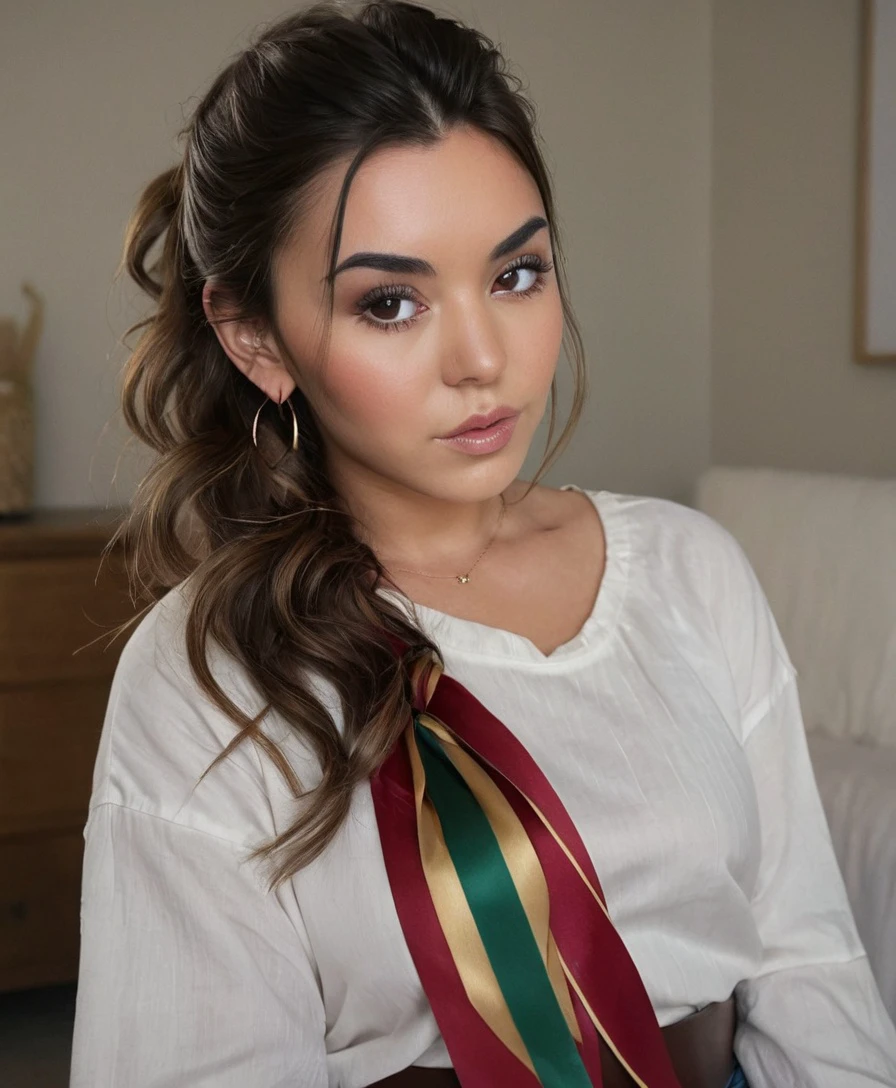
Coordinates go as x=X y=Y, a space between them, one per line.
x=475 y=348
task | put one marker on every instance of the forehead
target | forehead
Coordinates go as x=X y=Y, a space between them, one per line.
x=467 y=189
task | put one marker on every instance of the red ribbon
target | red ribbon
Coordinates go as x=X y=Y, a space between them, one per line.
x=586 y=938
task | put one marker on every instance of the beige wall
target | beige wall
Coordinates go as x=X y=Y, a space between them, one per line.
x=667 y=126
x=785 y=391
x=623 y=94
x=98 y=87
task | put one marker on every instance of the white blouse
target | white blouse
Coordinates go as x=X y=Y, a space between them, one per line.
x=670 y=726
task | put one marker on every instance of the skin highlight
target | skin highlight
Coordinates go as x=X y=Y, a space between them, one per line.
x=434 y=347
x=282 y=553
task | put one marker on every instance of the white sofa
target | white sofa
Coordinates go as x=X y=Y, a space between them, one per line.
x=824 y=549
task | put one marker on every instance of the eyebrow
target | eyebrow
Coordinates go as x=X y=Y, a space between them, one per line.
x=416 y=266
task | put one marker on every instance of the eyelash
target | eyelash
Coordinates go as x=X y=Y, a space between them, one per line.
x=392 y=290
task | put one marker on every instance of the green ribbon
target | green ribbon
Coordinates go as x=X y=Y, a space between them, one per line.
x=501 y=920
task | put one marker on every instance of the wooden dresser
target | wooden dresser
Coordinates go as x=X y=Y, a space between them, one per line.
x=58 y=609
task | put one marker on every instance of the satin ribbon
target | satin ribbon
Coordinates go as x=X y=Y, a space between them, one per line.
x=501 y=906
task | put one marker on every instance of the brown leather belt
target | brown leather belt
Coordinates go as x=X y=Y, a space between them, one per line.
x=701 y=1048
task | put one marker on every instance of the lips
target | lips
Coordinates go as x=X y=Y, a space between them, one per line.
x=480 y=422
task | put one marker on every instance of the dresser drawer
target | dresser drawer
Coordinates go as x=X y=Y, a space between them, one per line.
x=50 y=609
x=61 y=600
x=40 y=909
x=48 y=743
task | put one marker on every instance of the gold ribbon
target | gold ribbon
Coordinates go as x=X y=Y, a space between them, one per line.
x=453 y=911
x=451 y=906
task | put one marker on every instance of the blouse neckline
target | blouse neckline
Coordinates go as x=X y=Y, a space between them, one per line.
x=471 y=639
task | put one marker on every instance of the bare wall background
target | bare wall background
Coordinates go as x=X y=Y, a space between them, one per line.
x=704 y=155
x=785 y=391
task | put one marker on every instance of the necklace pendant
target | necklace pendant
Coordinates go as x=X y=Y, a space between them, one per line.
x=463 y=578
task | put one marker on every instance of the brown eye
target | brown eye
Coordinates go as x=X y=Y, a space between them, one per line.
x=389 y=309
x=525 y=276
x=511 y=279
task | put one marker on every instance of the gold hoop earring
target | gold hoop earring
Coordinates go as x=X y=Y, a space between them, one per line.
x=295 y=422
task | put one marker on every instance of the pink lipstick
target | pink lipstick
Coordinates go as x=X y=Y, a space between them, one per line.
x=485 y=439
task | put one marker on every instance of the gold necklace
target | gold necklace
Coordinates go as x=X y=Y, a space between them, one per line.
x=462 y=578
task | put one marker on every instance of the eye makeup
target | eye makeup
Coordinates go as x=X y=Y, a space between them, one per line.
x=391 y=291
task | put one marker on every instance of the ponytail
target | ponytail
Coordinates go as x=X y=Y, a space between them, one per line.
x=280 y=577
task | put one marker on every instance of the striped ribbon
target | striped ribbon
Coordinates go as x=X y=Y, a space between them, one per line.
x=501 y=907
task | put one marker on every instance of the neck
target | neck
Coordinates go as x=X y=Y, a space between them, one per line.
x=408 y=528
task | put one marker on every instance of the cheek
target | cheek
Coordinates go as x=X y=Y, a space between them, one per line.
x=368 y=394
x=378 y=383
x=539 y=341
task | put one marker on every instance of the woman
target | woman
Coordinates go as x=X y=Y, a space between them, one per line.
x=414 y=766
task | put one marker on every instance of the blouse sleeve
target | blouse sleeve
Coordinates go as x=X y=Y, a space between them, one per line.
x=191 y=974
x=812 y=1016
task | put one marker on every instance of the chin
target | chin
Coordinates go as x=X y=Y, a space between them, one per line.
x=479 y=483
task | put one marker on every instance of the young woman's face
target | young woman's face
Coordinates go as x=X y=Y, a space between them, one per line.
x=412 y=352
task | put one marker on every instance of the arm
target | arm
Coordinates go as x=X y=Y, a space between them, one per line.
x=191 y=973
x=813 y=1016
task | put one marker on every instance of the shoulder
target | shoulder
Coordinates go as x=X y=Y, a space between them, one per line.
x=659 y=536
x=666 y=531
x=739 y=610
x=697 y=551
x=162 y=731
x=686 y=567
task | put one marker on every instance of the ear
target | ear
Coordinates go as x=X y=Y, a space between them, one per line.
x=251 y=351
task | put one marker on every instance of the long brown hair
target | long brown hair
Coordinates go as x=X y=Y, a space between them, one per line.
x=279 y=578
